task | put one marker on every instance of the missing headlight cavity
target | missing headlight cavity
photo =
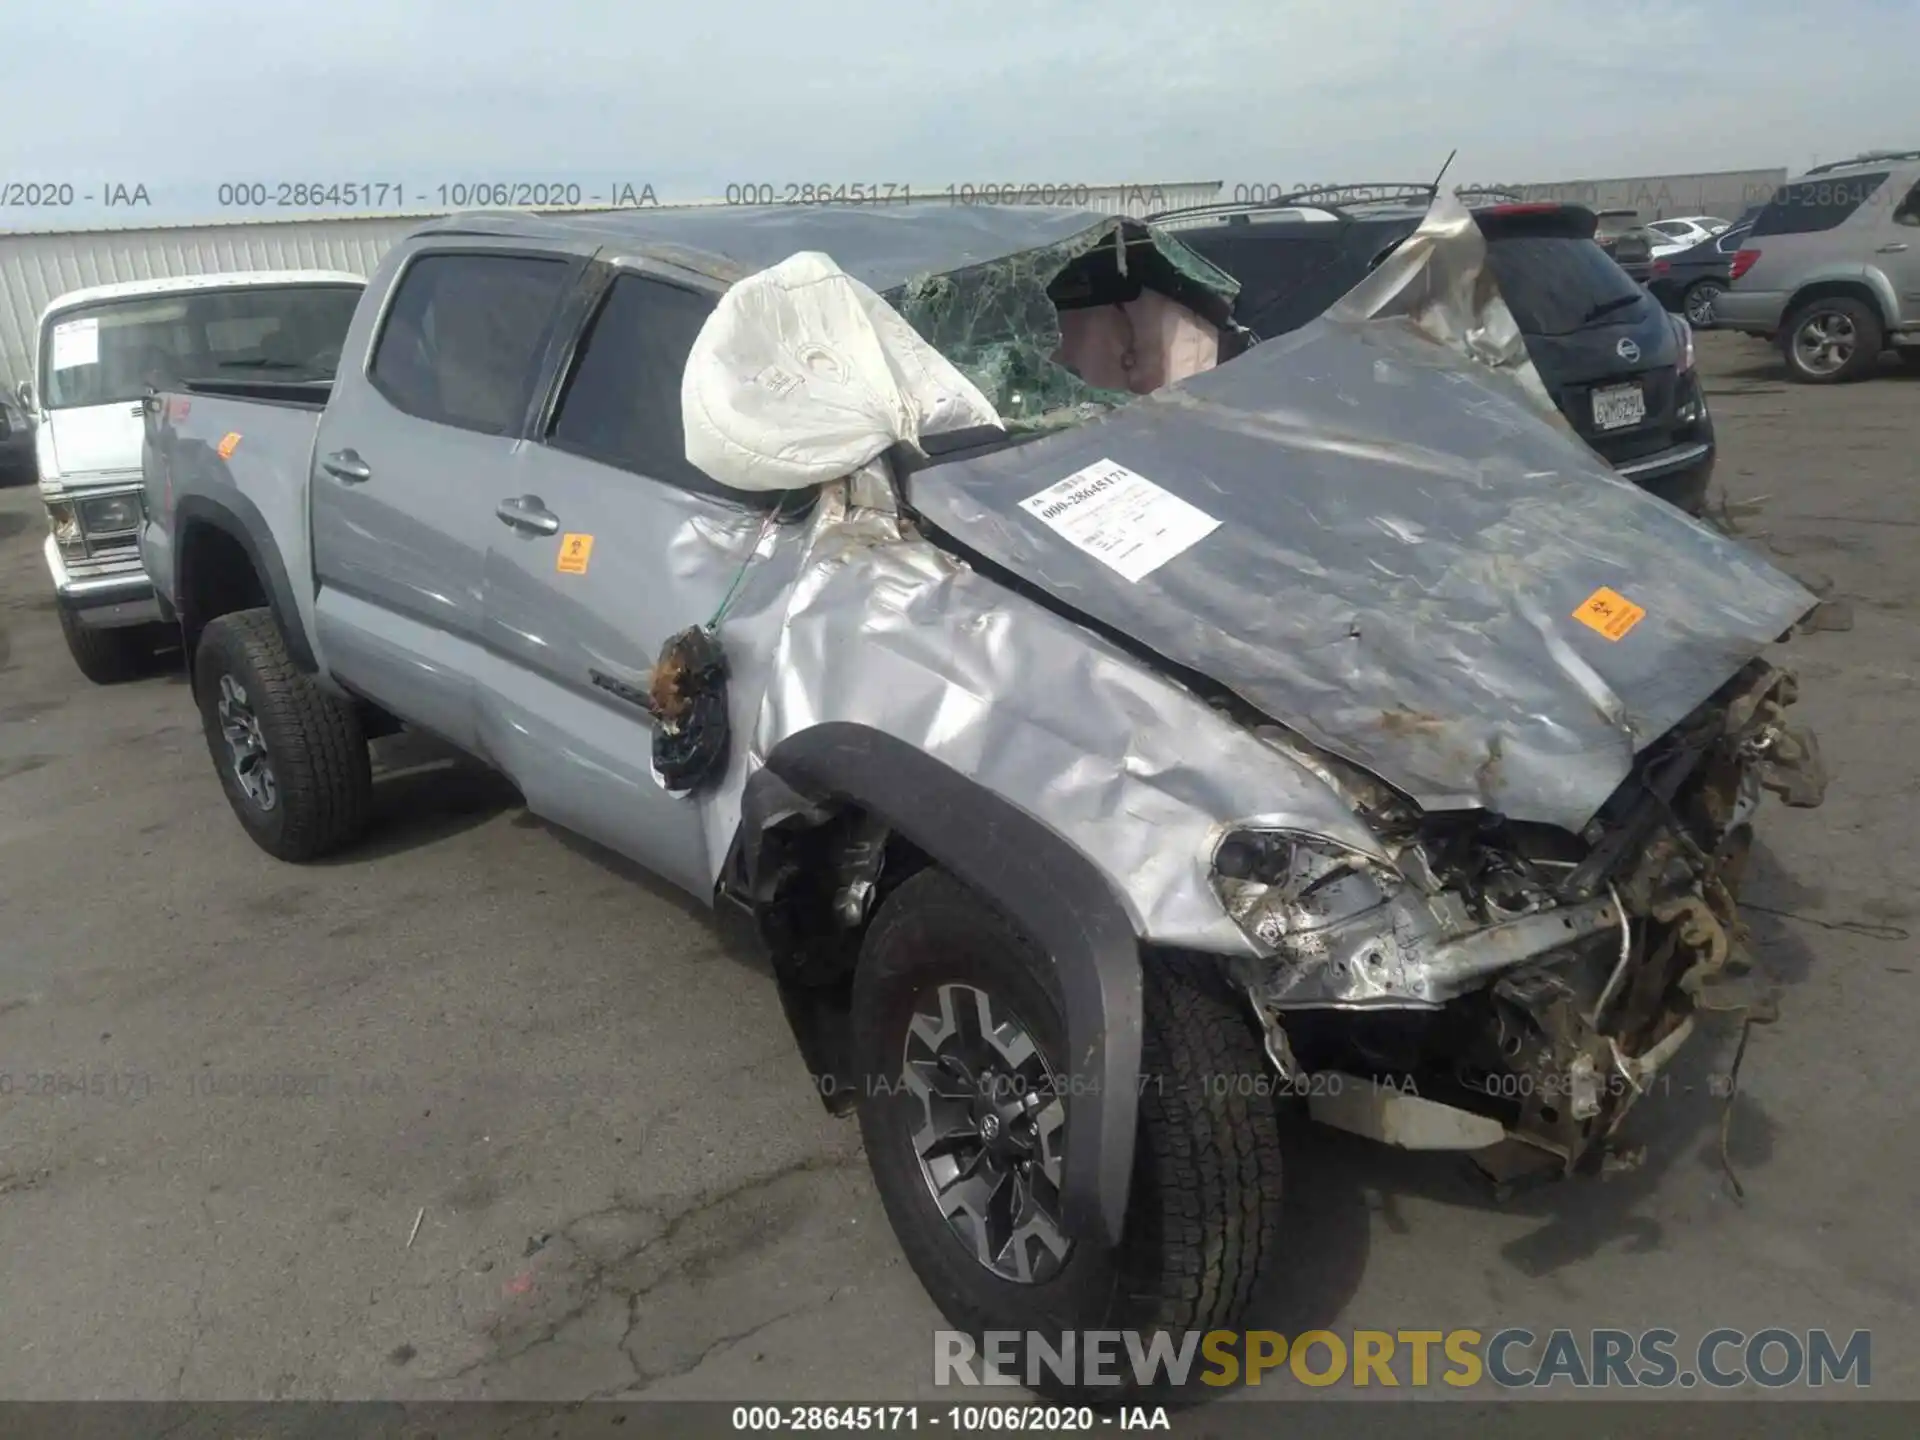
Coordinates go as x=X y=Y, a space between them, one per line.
x=688 y=697
x=1282 y=887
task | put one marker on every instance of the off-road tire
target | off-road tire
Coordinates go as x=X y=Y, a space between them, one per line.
x=107 y=657
x=1869 y=335
x=1203 y=1219
x=314 y=740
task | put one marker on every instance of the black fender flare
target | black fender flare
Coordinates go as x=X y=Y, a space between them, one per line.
x=1046 y=886
x=240 y=520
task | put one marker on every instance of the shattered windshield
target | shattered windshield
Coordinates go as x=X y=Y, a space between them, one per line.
x=1000 y=323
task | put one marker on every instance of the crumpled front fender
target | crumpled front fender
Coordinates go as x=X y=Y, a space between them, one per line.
x=1057 y=897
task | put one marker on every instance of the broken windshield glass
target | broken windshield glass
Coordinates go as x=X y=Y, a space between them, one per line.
x=1000 y=323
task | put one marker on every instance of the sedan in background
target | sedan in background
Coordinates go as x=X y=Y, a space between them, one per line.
x=1683 y=232
x=1688 y=283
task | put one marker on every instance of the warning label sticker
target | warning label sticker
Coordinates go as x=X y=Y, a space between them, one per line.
x=1121 y=518
x=575 y=550
x=1609 y=612
x=76 y=343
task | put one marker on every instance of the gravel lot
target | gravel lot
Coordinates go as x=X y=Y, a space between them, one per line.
x=622 y=1179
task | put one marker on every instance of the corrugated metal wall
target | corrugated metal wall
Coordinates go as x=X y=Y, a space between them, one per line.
x=35 y=268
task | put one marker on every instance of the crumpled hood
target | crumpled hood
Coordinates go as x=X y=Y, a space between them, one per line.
x=1403 y=540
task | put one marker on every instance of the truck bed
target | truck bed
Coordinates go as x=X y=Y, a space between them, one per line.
x=238 y=452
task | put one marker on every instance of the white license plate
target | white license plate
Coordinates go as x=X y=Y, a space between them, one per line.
x=1618 y=406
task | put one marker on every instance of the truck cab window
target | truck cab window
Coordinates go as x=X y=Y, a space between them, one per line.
x=621 y=403
x=463 y=336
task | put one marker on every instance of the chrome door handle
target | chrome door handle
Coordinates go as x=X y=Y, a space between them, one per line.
x=529 y=513
x=1893 y=247
x=346 y=465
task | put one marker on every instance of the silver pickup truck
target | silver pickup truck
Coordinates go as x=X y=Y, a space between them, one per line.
x=1225 y=723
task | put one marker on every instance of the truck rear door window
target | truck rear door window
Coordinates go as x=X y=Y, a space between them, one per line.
x=463 y=337
x=621 y=403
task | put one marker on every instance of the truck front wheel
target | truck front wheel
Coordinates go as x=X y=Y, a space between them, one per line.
x=291 y=757
x=962 y=1045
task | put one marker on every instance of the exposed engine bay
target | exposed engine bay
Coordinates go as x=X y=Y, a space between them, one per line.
x=1513 y=971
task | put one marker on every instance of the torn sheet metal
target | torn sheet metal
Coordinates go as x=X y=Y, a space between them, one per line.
x=802 y=375
x=1438 y=282
x=1404 y=540
x=885 y=629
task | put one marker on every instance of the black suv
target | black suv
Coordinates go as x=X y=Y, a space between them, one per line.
x=1619 y=367
x=1628 y=243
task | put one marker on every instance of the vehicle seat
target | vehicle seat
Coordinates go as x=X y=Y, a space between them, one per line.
x=1137 y=345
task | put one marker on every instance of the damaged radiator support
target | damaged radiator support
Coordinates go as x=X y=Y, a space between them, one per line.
x=1553 y=1021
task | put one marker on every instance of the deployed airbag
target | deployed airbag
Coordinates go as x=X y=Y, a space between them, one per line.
x=802 y=375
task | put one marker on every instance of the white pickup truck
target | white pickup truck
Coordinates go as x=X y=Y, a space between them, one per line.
x=100 y=351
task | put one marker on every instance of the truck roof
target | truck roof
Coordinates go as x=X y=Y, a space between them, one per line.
x=170 y=284
x=883 y=244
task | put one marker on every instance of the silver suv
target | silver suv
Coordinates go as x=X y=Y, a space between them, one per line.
x=1831 y=269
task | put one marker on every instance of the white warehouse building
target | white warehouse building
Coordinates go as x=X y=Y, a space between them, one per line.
x=37 y=267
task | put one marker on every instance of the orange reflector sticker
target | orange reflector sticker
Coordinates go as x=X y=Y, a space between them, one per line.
x=229 y=443
x=574 y=552
x=1609 y=612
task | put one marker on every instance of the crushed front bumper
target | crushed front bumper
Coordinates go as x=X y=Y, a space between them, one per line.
x=1554 y=1046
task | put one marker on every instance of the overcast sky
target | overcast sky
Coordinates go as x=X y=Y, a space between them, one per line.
x=183 y=94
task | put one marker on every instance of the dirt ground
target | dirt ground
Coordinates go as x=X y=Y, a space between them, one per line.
x=264 y=1078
